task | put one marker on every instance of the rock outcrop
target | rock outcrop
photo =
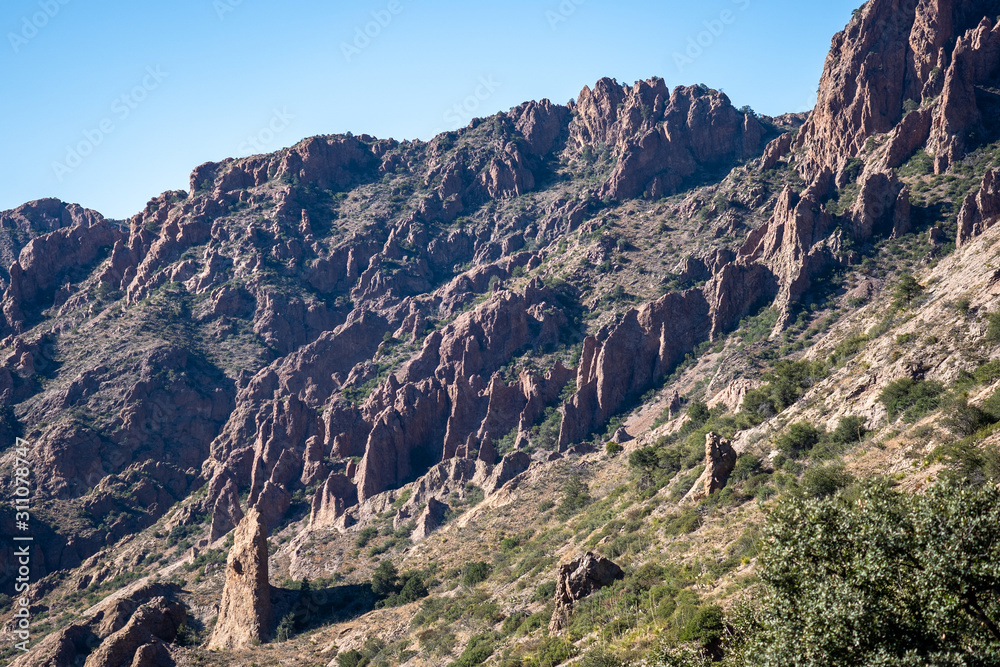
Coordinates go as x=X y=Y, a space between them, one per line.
x=430 y=519
x=143 y=639
x=245 y=613
x=578 y=579
x=720 y=459
x=123 y=631
x=660 y=138
x=624 y=362
x=898 y=55
x=981 y=209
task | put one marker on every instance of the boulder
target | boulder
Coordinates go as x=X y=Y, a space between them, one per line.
x=578 y=579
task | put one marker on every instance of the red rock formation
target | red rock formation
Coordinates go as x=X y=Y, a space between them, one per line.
x=245 y=613
x=981 y=209
x=974 y=61
x=337 y=493
x=577 y=580
x=894 y=51
x=49 y=260
x=641 y=349
x=661 y=139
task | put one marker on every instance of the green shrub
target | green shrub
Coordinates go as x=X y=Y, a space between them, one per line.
x=365 y=536
x=352 y=658
x=747 y=465
x=993 y=330
x=478 y=651
x=906 y=292
x=612 y=448
x=384 y=579
x=911 y=398
x=823 y=481
x=553 y=651
x=576 y=496
x=889 y=578
x=286 y=627
x=706 y=627
x=988 y=373
x=698 y=413
x=545 y=591
x=686 y=521
x=475 y=573
x=799 y=438
x=964 y=420
x=850 y=430
x=784 y=386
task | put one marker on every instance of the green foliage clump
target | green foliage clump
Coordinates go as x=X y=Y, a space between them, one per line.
x=847 y=348
x=576 y=496
x=553 y=651
x=883 y=578
x=993 y=330
x=365 y=536
x=911 y=398
x=475 y=573
x=823 y=481
x=705 y=627
x=477 y=651
x=798 y=439
x=394 y=589
x=784 y=386
x=964 y=419
x=850 y=430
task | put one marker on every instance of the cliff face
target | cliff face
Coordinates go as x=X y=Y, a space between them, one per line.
x=900 y=55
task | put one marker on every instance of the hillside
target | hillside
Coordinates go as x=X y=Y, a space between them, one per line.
x=420 y=377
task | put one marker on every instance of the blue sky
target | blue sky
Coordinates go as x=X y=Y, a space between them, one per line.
x=109 y=103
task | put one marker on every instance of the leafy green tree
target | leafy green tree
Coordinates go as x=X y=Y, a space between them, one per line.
x=576 y=496
x=879 y=578
x=384 y=579
x=907 y=291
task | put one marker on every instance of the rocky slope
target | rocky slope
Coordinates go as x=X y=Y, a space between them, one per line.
x=355 y=339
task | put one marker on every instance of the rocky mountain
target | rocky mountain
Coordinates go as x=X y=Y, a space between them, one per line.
x=421 y=375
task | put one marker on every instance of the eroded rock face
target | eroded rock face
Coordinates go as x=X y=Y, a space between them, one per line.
x=720 y=459
x=981 y=209
x=245 y=614
x=430 y=519
x=47 y=261
x=117 y=634
x=578 y=579
x=661 y=139
x=142 y=639
x=895 y=51
x=647 y=343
